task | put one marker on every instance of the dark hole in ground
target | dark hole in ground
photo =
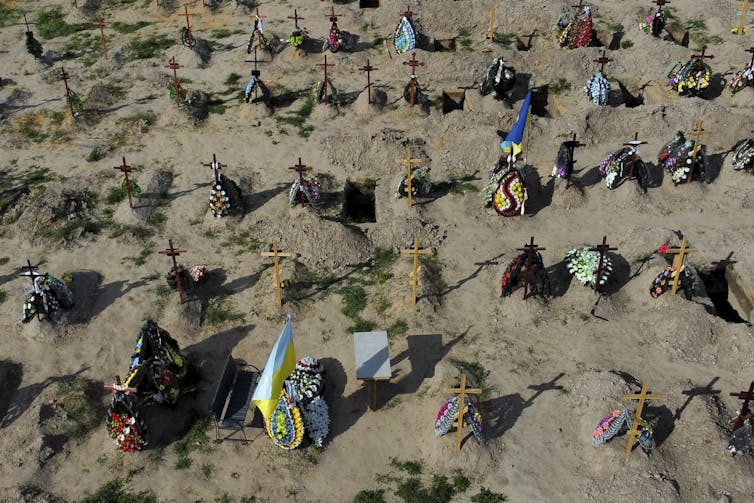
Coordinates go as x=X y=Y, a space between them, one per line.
x=539 y=97
x=716 y=285
x=369 y=4
x=358 y=206
x=445 y=45
x=452 y=99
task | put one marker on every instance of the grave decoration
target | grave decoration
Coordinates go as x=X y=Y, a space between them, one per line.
x=622 y=421
x=564 y=161
x=324 y=91
x=303 y=191
x=299 y=34
x=33 y=46
x=187 y=38
x=414 y=276
x=179 y=277
x=498 y=77
x=416 y=181
x=177 y=92
x=598 y=87
x=48 y=298
x=584 y=262
x=336 y=39
x=225 y=195
x=685 y=160
x=103 y=40
x=744 y=412
x=368 y=69
x=625 y=164
x=743 y=157
x=527 y=269
x=413 y=92
x=75 y=104
x=256 y=85
x=128 y=186
x=691 y=78
x=257 y=31
x=675 y=275
x=740 y=439
x=575 y=29
x=745 y=77
x=655 y=23
x=405 y=33
x=302 y=391
x=453 y=415
x=125 y=424
x=276 y=254
x=741 y=28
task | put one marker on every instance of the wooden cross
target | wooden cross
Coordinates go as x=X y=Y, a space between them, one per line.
x=530 y=37
x=741 y=28
x=603 y=249
x=257 y=19
x=275 y=254
x=579 y=6
x=751 y=50
x=118 y=386
x=30 y=271
x=369 y=69
x=530 y=250
x=602 y=60
x=461 y=391
x=746 y=396
x=176 y=82
x=325 y=65
x=704 y=55
x=26 y=21
x=333 y=17
x=126 y=169
x=32 y=274
x=632 y=162
x=491 y=30
x=408 y=14
x=572 y=145
x=103 y=41
x=408 y=161
x=187 y=15
x=255 y=72
x=698 y=136
x=64 y=77
x=642 y=397
x=413 y=64
x=295 y=18
x=415 y=251
x=678 y=262
x=216 y=167
x=661 y=4
x=172 y=252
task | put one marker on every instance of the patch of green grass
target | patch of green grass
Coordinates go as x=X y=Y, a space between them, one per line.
x=397 y=329
x=366 y=496
x=97 y=154
x=115 y=195
x=218 y=107
x=4 y=260
x=216 y=312
x=626 y=43
x=704 y=39
x=615 y=27
x=434 y=284
x=225 y=33
x=29 y=127
x=384 y=258
x=504 y=39
x=354 y=300
x=559 y=86
x=463 y=32
x=232 y=80
x=193 y=439
x=362 y=325
x=410 y=467
x=460 y=481
x=137 y=231
x=80 y=401
x=149 y=47
x=157 y=219
x=51 y=23
x=126 y=28
x=84 y=46
x=3 y=296
x=116 y=492
x=208 y=470
x=475 y=371
x=9 y=15
x=298 y=117
x=486 y=496
x=697 y=25
x=141 y=259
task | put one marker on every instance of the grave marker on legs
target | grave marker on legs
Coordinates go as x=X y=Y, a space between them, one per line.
x=461 y=391
x=415 y=251
x=276 y=255
x=173 y=253
x=642 y=398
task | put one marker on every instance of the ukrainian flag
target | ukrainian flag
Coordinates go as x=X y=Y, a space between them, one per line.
x=281 y=363
x=512 y=142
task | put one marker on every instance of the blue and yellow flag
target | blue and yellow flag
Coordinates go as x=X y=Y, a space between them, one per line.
x=281 y=363
x=512 y=142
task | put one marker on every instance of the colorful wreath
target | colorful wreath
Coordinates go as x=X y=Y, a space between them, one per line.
x=689 y=78
x=575 y=31
x=448 y=414
x=619 y=421
x=743 y=158
x=742 y=78
x=677 y=157
x=306 y=189
x=135 y=189
x=124 y=431
x=285 y=426
x=598 y=89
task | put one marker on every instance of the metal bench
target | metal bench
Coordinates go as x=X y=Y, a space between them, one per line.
x=232 y=398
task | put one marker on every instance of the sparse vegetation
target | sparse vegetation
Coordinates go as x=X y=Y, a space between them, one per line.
x=3 y=296
x=376 y=496
x=559 y=86
x=216 y=312
x=83 y=46
x=476 y=372
x=397 y=329
x=410 y=467
x=504 y=39
x=116 y=492
x=194 y=439
x=487 y=496
x=50 y=23
x=80 y=403
x=149 y=47
x=298 y=117
x=9 y=15
x=126 y=28
x=626 y=43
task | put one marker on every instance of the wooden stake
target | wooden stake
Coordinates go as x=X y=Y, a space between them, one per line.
x=64 y=77
x=572 y=145
x=172 y=252
x=257 y=19
x=678 y=262
x=415 y=251
x=661 y=4
x=602 y=60
x=741 y=28
x=118 y=386
x=408 y=161
x=746 y=396
x=408 y=14
x=176 y=82
x=698 y=136
x=103 y=41
x=632 y=162
x=275 y=254
x=603 y=249
x=126 y=169
x=187 y=15
x=326 y=90
x=332 y=16
x=491 y=30
x=530 y=250
x=369 y=69
x=216 y=167
x=704 y=55
x=642 y=397
x=461 y=391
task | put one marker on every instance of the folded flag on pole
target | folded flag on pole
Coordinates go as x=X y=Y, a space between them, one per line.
x=512 y=142
x=281 y=363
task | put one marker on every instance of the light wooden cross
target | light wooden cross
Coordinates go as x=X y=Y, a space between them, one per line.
x=461 y=391
x=491 y=31
x=642 y=397
x=746 y=396
x=409 y=162
x=415 y=251
x=741 y=28
x=118 y=386
x=678 y=262
x=697 y=137
x=275 y=254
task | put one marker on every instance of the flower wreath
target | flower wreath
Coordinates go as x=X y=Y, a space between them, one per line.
x=598 y=89
x=615 y=166
x=506 y=191
x=743 y=159
x=575 y=31
x=135 y=189
x=285 y=426
x=582 y=263
x=448 y=413
x=612 y=424
x=124 y=431
x=310 y=190
x=676 y=156
x=421 y=183
x=689 y=78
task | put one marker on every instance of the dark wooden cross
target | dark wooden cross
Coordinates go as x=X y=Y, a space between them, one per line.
x=632 y=162
x=704 y=55
x=413 y=64
x=530 y=250
x=126 y=169
x=258 y=18
x=324 y=83
x=103 y=41
x=530 y=37
x=176 y=82
x=295 y=18
x=64 y=77
x=332 y=16
x=603 y=60
x=187 y=15
x=173 y=253
x=661 y=4
x=408 y=14
x=369 y=69
x=255 y=72
x=751 y=50
x=30 y=271
x=571 y=145
x=26 y=21
x=602 y=249
x=579 y=6
x=300 y=168
x=118 y=386
x=746 y=396
x=215 y=167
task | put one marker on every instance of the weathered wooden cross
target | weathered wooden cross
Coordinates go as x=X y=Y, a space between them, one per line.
x=325 y=82
x=26 y=21
x=678 y=262
x=126 y=169
x=704 y=55
x=369 y=69
x=491 y=30
x=661 y=4
x=632 y=162
x=461 y=391
x=415 y=251
x=530 y=250
x=603 y=60
x=176 y=81
x=642 y=397
x=409 y=162
x=413 y=82
x=697 y=143
x=257 y=20
x=295 y=18
x=215 y=167
x=118 y=386
x=276 y=254
x=602 y=249
x=530 y=36
x=300 y=169
x=31 y=273
x=579 y=6
x=571 y=145
x=332 y=16
x=103 y=41
x=741 y=28
x=173 y=253
x=744 y=412
x=408 y=14
x=187 y=15
x=255 y=72
x=64 y=76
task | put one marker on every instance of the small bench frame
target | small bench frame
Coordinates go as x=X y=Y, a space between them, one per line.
x=232 y=397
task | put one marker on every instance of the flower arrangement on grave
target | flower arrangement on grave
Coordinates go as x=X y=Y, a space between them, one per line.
x=297 y=38
x=689 y=78
x=285 y=426
x=498 y=77
x=743 y=158
x=448 y=413
x=598 y=89
x=135 y=189
x=615 y=167
x=740 y=439
x=583 y=263
x=336 y=39
x=304 y=191
x=319 y=92
x=563 y=162
x=620 y=421
x=506 y=191
x=257 y=32
x=316 y=416
x=405 y=36
x=181 y=90
x=654 y=23
x=743 y=78
x=421 y=183
x=190 y=277
x=254 y=87
x=124 y=426
x=517 y=268
x=167 y=384
x=575 y=30
x=49 y=297
x=676 y=156
x=187 y=39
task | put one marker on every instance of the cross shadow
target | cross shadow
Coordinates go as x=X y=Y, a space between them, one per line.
x=444 y=188
x=560 y=278
x=346 y=99
x=285 y=99
x=642 y=262
x=12 y=109
x=356 y=44
x=172 y=196
x=500 y=414
x=696 y=391
x=662 y=421
x=656 y=175
x=243 y=283
x=344 y=410
x=714 y=166
x=480 y=266
x=620 y=275
x=716 y=86
x=256 y=200
x=540 y=197
x=91 y=298
x=301 y=290
x=591 y=177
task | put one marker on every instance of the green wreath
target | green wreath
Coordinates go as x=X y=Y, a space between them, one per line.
x=135 y=189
